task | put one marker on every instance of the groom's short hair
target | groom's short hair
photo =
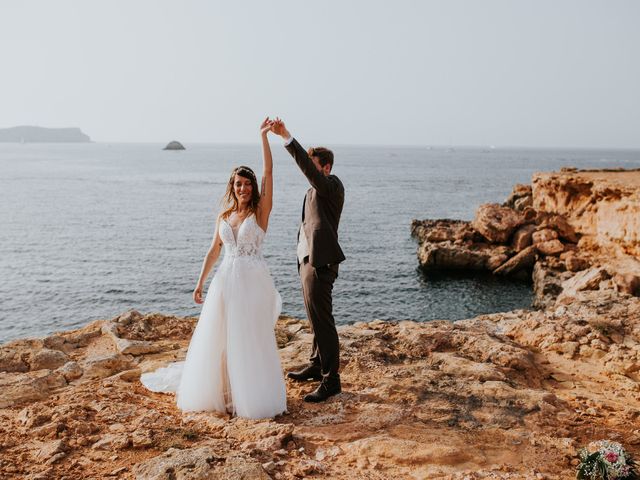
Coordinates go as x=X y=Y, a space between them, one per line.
x=324 y=155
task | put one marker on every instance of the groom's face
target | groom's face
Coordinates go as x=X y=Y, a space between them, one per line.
x=325 y=170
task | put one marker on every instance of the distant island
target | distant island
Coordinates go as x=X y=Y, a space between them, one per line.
x=174 y=145
x=27 y=134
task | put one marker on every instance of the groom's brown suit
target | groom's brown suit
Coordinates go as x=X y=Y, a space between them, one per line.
x=320 y=219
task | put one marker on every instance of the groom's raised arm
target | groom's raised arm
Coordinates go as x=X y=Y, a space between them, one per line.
x=323 y=184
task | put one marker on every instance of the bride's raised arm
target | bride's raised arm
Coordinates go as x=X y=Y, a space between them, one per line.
x=266 y=187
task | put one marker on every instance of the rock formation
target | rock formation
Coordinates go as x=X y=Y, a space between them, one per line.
x=566 y=222
x=174 y=145
x=603 y=206
x=500 y=239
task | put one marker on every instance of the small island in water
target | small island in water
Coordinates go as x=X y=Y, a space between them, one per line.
x=29 y=134
x=174 y=145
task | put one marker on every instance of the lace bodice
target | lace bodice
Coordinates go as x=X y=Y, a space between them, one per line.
x=248 y=242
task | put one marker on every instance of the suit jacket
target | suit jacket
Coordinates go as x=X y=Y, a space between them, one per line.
x=320 y=211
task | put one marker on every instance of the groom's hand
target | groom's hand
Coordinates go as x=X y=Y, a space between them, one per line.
x=278 y=127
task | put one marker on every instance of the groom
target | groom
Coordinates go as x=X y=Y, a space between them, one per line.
x=318 y=257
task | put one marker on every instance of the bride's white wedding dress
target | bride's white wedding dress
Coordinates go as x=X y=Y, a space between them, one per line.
x=232 y=364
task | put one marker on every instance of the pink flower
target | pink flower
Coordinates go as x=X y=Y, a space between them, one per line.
x=611 y=457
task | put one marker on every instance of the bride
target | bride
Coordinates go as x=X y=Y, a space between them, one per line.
x=232 y=364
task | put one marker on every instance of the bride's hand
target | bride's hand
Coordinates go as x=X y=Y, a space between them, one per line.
x=197 y=294
x=265 y=126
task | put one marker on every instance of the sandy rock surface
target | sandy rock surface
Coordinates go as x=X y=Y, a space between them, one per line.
x=509 y=395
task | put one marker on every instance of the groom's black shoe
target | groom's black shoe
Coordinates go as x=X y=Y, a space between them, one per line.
x=312 y=372
x=328 y=388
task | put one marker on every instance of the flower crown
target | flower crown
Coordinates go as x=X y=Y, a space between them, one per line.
x=246 y=171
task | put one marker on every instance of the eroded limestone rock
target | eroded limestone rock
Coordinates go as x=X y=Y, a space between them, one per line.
x=496 y=223
x=188 y=464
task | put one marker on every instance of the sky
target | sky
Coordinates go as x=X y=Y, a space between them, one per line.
x=539 y=73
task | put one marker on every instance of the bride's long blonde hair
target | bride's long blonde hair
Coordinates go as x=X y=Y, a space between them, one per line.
x=230 y=201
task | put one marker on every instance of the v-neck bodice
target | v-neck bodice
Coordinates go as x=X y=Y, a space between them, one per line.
x=245 y=241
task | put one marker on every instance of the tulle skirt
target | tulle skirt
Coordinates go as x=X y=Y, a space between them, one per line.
x=232 y=364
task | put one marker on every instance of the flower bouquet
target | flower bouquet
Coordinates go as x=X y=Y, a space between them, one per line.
x=605 y=460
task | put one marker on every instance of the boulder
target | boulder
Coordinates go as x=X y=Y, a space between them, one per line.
x=573 y=262
x=522 y=238
x=442 y=230
x=47 y=359
x=11 y=361
x=34 y=416
x=28 y=387
x=496 y=223
x=55 y=342
x=113 y=441
x=627 y=283
x=71 y=371
x=132 y=375
x=126 y=346
x=495 y=261
x=142 y=438
x=530 y=215
x=307 y=468
x=70 y=341
x=552 y=247
x=544 y=235
x=106 y=365
x=560 y=224
x=52 y=448
x=521 y=204
x=174 y=145
x=520 y=198
x=522 y=261
x=448 y=256
x=128 y=317
x=586 y=280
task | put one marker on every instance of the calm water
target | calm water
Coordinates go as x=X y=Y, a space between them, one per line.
x=88 y=231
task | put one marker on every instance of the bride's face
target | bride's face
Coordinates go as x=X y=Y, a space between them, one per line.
x=243 y=189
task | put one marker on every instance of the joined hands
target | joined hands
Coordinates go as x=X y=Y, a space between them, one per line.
x=276 y=126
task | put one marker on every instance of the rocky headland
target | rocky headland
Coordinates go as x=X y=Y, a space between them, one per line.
x=569 y=231
x=509 y=395
x=29 y=134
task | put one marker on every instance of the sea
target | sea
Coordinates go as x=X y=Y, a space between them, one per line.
x=88 y=231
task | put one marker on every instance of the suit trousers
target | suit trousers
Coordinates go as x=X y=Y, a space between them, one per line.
x=317 y=286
